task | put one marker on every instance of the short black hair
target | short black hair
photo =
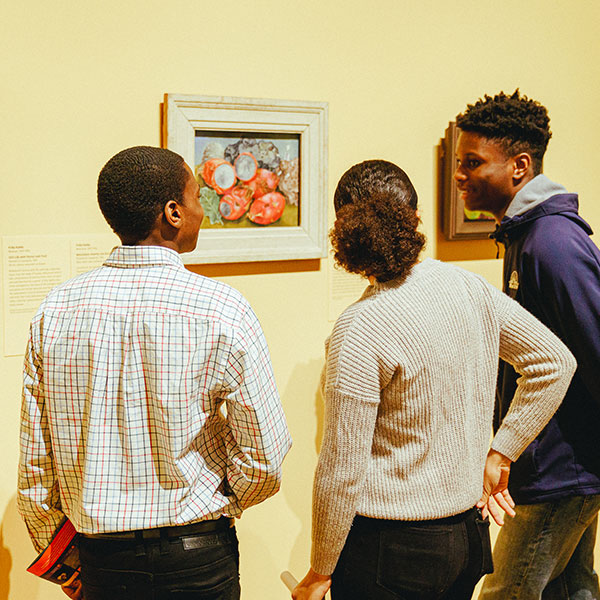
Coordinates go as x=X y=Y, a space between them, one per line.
x=375 y=232
x=134 y=186
x=516 y=122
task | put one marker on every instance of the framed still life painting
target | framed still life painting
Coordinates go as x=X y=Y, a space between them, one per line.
x=458 y=223
x=262 y=169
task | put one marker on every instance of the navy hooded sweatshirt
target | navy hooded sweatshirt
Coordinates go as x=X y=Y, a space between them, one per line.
x=552 y=268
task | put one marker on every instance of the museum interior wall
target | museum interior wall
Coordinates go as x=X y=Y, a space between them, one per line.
x=81 y=81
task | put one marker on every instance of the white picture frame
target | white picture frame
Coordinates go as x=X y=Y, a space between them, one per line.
x=184 y=115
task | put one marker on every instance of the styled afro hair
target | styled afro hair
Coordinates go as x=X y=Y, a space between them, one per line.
x=375 y=232
x=517 y=123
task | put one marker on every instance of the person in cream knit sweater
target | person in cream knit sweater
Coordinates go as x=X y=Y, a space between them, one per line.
x=406 y=474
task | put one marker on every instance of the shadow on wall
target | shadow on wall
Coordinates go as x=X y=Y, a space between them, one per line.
x=5 y=566
x=289 y=511
x=16 y=554
x=304 y=413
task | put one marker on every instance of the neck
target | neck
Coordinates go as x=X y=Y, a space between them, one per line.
x=499 y=214
x=155 y=238
x=150 y=241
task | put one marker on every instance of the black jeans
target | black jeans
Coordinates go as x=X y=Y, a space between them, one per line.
x=201 y=566
x=413 y=560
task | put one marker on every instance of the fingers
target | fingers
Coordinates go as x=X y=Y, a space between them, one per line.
x=500 y=507
x=495 y=512
x=485 y=512
x=508 y=498
x=74 y=590
x=505 y=502
x=312 y=587
x=499 y=504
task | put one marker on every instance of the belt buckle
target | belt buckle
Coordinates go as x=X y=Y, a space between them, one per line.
x=197 y=541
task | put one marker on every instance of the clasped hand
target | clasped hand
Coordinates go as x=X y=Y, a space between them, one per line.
x=313 y=587
x=496 y=497
x=74 y=589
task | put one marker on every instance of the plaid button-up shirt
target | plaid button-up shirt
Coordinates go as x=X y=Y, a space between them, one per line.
x=148 y=400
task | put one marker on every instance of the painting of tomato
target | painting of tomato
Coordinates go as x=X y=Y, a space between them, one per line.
x=234 y=204
x=248 y=179
x=267 y=209
x=264 y=182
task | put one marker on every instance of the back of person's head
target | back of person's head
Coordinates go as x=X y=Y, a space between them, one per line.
x=135 y=185
x=375 y=232
x=517 y=123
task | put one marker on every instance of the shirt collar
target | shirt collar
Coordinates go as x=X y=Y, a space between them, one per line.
x=131 y=257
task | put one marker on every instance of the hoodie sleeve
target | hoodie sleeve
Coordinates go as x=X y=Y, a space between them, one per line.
x=563 y=282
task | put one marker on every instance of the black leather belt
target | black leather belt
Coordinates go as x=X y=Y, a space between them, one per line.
x=175 y=531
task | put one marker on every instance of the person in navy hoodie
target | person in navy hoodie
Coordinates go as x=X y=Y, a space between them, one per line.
x=553 y=269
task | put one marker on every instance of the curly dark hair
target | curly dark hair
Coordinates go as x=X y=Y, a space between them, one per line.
x=134 y=186
x=375 y=230
x=516 y=122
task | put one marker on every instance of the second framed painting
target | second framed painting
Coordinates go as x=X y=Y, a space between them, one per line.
x=262 y=170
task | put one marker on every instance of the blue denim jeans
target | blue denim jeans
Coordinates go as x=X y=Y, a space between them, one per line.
x=546 y=552
x=413 y=560
x=200 y=567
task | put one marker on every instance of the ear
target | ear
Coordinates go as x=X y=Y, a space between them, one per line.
x=418 y=215
x=173 y=214
x=522 y=166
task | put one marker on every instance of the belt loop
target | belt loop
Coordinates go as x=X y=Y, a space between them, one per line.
x=164 y=541
x=140 y=549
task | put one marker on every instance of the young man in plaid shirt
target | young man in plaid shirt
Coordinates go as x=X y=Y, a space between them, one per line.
x=150 y=413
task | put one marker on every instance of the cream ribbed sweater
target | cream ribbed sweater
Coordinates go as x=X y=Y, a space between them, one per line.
x=409 y=392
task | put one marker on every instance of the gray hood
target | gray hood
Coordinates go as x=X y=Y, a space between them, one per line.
x=539 y=189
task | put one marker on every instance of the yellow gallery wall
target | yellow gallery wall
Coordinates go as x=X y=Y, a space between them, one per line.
x=83 y=80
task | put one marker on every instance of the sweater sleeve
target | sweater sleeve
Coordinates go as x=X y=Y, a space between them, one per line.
x=340 y=474
x=354 y=378
x=545 y=366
